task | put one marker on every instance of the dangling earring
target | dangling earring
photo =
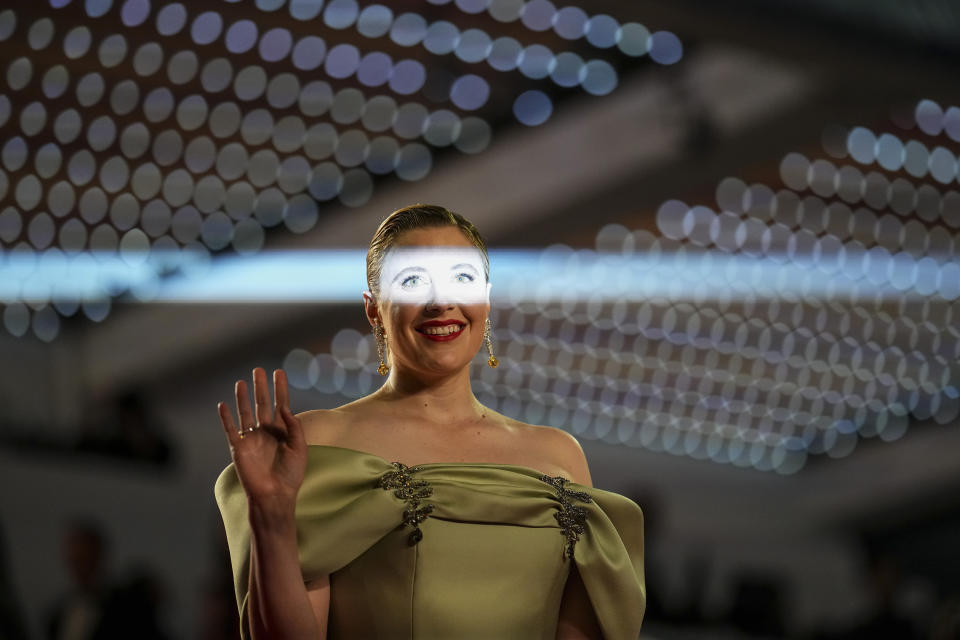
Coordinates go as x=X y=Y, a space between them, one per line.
x=492 y=360
x=381 y=338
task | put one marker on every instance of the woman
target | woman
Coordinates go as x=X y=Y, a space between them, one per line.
x=486 y=527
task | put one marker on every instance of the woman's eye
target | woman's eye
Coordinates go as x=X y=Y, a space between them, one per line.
x=463 y=277
x=411 y=281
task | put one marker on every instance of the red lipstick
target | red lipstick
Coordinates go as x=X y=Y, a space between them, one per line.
x=441 y=323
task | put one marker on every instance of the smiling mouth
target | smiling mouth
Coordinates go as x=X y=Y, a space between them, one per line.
x=446 y=330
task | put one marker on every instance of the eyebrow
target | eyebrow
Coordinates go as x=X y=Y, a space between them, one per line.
x=463 y=265
x=405 y=270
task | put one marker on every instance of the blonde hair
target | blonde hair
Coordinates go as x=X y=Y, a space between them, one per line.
x=417 y=216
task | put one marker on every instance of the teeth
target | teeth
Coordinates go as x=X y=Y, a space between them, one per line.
x=441 y=331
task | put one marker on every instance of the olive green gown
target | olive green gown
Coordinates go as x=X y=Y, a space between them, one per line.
x=451 y=550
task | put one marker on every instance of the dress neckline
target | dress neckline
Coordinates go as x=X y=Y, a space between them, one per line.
x=508 y=465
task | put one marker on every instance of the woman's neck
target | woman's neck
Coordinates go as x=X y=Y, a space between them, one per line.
x=444 y=400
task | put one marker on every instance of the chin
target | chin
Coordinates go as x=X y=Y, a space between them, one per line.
x=443 y=364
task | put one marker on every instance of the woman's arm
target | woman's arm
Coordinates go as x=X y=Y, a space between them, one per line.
x=269 y=452
x=577 y=620
x=279 y=604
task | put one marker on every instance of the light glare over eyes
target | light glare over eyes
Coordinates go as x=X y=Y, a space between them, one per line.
x=422 y=275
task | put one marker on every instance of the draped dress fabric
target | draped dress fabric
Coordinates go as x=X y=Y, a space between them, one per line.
x=451 y=550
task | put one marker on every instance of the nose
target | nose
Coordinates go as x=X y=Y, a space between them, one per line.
x=439 y=296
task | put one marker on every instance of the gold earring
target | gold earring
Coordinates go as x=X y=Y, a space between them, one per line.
x=381 y=338
x=492 y=360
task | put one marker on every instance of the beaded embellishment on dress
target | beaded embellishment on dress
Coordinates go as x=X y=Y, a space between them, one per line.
x=412 y=491
x=572 y=518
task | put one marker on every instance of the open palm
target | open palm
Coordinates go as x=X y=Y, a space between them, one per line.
x=268 y=448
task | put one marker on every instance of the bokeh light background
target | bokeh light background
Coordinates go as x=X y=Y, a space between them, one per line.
x=160 y=153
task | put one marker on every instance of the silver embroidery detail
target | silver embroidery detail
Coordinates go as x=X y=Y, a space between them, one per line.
x=412 y=491
x=572 y=518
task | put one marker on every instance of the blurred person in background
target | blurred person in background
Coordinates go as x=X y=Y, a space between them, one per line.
x=493 y=530
x=946 y=622
x=12 y=626
x=218 y=610
x=125 y=427
x=81 y=612
x=96 y=608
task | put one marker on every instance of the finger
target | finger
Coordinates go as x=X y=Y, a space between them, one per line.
x=243 y=405
x=295 y=435
x=233 y=436
x=261 y=395
x=280 y=390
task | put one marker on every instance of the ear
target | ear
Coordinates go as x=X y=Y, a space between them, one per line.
x=488 y=294
x=371 y=309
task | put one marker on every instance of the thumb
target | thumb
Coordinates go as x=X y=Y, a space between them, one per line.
x=295 y=435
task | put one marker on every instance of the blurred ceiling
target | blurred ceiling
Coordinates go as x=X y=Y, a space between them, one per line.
x=742 y=128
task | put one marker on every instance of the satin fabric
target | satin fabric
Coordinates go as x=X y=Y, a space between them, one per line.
x=491 y=562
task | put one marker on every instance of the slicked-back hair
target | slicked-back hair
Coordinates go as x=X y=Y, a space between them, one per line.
x=417 y=216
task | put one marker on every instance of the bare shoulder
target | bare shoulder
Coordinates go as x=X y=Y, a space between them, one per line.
x=562 y=448
x=322 y=426
x=328 y=426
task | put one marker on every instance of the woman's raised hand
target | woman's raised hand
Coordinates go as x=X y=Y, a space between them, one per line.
x=268 y=448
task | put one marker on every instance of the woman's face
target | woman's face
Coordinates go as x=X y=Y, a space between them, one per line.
x=433 y=300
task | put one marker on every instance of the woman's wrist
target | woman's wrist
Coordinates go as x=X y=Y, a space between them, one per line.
x=273 y=516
